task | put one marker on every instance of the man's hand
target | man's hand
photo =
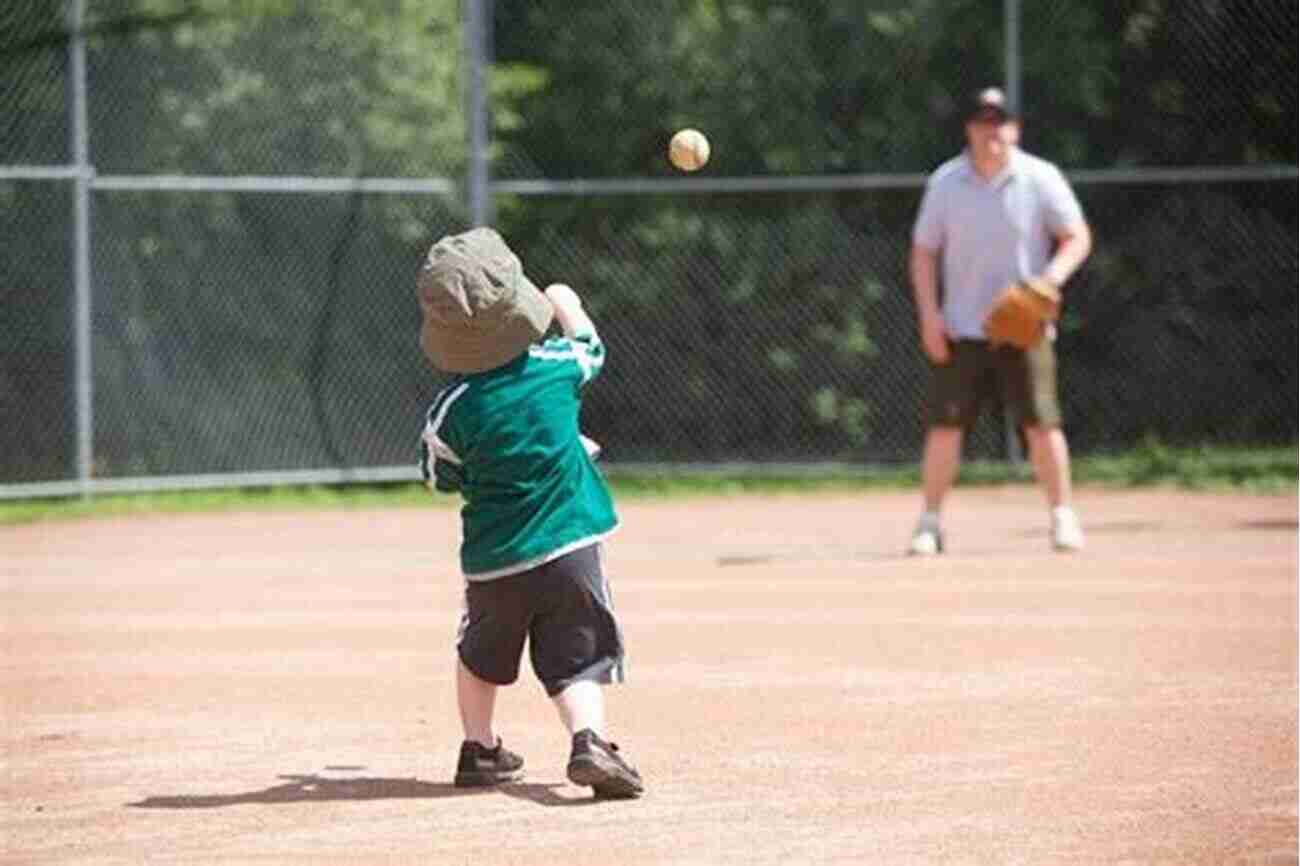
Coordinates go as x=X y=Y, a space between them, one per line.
x=923 y=267
x=934 y=337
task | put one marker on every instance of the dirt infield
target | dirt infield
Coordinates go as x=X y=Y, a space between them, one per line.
x=276 y=688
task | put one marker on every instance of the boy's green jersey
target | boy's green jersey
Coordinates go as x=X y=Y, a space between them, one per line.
x=508 y=440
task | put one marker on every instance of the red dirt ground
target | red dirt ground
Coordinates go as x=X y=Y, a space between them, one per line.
x=276 y=688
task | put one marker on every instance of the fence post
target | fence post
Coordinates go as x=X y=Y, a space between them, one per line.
x=478 y=18
x=1011 y=51
x=79 y=147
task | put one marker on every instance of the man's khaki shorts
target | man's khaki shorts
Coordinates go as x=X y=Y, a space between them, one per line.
x=1024 y=382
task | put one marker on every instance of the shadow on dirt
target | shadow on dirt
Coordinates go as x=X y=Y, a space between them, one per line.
x=804 y=555
x=313 y=788
x=1277 y=525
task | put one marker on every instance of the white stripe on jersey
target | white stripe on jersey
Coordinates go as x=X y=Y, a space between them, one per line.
x=441 y=449
x=438 y=447
x=587 y=357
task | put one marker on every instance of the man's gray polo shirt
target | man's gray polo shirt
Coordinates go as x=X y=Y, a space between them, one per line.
x=989 y=233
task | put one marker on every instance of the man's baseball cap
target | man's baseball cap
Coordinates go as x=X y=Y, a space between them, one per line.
x=479 y=309
x=990 y=103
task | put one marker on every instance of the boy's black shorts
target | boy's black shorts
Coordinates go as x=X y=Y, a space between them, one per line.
x=564 y=609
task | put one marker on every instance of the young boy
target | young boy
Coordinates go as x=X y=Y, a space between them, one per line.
x=504 y=433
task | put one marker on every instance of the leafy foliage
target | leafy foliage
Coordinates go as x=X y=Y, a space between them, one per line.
x=256 y=330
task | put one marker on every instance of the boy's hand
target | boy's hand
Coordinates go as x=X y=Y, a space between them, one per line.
x=568 y=310
x=559 y=293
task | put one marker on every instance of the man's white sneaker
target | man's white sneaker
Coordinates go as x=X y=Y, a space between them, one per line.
x=1067 y=534
x=925 y=544
x=927 y=540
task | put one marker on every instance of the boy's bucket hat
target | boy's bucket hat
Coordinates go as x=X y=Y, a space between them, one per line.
x=479 y=309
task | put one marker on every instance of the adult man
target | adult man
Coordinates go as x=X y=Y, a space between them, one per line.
x=993 y=215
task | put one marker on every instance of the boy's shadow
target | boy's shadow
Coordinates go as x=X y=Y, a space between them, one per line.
x=314 y=788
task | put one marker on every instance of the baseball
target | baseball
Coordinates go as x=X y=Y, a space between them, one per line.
x=689 y=149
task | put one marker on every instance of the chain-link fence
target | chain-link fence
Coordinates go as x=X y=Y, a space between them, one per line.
x=214 y=212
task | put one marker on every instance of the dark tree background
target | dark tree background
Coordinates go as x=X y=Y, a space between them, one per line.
x=241 y=330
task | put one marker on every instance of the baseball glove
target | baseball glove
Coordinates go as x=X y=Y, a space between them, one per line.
x=1021 y=311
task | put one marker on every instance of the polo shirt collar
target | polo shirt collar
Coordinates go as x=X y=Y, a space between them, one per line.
x=1015 y=166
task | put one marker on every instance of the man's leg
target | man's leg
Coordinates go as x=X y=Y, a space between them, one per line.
x=939 y=465
x=1050 y=454
x=938 y=472
x=1029 y=383
x=957 y=389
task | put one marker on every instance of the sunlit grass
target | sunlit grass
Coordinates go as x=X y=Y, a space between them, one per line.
x=1254 y=470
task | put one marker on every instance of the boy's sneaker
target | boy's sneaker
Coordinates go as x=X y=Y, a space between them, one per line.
x=927 y=539
x=480 y=766
x=1067 y=534
x=596 y=763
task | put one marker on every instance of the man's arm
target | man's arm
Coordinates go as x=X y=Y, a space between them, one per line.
x=923 y=264
x=1073 y=244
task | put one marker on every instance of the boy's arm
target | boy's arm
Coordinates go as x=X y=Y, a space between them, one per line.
x=587 y=349
x=573 y=319
x=576 y=324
